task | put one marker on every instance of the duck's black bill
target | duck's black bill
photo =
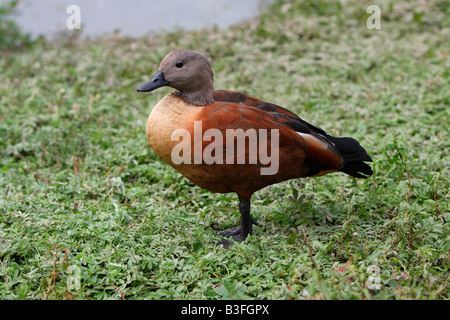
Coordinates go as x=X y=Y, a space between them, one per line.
x=156 y=82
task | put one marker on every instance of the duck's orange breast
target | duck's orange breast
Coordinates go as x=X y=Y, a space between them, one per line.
x=171 y=113
x=174 y=128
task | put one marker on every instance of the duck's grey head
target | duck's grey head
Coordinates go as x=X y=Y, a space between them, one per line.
x=187 y=71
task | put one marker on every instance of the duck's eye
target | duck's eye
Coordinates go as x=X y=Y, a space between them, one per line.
x=179 y=65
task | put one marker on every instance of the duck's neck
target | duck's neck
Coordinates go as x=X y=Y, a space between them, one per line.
x=199 y=97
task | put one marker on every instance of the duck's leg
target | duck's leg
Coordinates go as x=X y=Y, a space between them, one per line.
x=240 y=233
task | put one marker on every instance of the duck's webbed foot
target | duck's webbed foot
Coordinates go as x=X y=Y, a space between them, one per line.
x=240 y=233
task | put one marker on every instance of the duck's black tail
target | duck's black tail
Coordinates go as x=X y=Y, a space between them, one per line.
x=354 y=156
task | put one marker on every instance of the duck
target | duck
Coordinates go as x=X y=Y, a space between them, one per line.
x=225 y=141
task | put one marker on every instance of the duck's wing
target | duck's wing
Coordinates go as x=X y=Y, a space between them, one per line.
x=320 y=154
x=282 y=114
x=324 y=153
x=245 y=99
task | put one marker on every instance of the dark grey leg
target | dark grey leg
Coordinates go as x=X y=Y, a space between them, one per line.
x=240 y=233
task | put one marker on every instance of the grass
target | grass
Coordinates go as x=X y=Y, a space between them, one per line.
x=87 y=211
